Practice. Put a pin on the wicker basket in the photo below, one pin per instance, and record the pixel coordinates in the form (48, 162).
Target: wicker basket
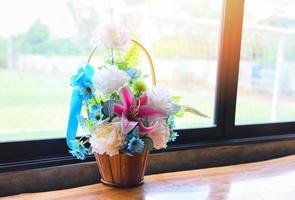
(123, 170)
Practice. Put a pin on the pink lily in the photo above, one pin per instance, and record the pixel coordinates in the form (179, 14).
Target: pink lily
(133, 111)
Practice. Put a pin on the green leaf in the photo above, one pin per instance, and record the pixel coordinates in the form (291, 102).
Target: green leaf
(194, 111)
(130, 59)
(148, 142)
(96, 100)
(132, 56)
(115, 96)
(108, 62)
(108, 108)
(176, 99)
(88, 124)
(122, 65)
(180, 113)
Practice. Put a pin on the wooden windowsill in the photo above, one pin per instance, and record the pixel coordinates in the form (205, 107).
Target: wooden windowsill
(271, 180)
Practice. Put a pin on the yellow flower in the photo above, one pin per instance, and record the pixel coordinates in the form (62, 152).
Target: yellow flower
(139, 86)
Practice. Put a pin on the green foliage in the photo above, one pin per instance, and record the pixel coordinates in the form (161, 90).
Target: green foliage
(63, 46)
(37, 33)
(180, 113)
(98, 99)
(185, 108)
(202, 44)
(38, 40)
(148, 143)
(194, 111)
(88, 124)
(30, 41)
(258, 46)
(176, 99)
(108, 109)
(130, 59)
(115, 96)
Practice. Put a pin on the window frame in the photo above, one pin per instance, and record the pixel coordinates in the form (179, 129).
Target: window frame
(20, 155)
(232, 38)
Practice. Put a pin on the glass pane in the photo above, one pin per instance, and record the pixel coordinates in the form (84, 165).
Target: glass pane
(266, 89)
(43, 44)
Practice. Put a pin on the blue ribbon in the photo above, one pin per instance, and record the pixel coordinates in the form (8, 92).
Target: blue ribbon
(84, 74)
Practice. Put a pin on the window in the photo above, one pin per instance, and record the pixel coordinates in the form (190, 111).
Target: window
(237, 71)
(42, 50)
(266, 90)
(183, 40)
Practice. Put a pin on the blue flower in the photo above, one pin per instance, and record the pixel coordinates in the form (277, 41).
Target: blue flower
(78, 149)
(83, 81)
(133, 73)
(172, 136)
(135, 145)
(95, 114)
(86, 90)
(171, 124)
(81, 121)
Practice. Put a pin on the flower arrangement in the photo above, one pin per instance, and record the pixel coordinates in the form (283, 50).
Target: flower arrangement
(114, 105)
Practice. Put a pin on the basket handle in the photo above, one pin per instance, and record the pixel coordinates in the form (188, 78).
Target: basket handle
(152, 68)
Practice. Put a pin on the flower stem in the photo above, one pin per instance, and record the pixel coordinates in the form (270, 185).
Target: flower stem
(112, 55)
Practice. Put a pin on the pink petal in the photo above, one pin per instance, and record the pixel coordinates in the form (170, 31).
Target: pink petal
(127, 125)
(127, 97)
(118, 109)
(143, 99)
(145, 129)
(147, 111)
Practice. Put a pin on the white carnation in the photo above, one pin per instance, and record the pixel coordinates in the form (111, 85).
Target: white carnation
(109, 79)
(107, 138)
(160, 134)
(161, 99)
(112, 35)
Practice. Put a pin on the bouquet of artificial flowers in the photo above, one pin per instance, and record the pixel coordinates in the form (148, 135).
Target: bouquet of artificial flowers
(114, 105)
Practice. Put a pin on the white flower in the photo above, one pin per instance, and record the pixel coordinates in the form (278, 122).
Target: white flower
(160, 134)
(107, 138)
(113, 35)
(109, 79)
(161, 99)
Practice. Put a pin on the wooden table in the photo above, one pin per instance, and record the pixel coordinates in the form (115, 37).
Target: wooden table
(268, 180)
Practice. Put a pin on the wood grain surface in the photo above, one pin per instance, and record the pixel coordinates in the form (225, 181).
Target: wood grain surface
(268, 180)
(122, 170)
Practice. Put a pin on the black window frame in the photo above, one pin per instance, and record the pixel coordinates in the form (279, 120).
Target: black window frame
(53, 152)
